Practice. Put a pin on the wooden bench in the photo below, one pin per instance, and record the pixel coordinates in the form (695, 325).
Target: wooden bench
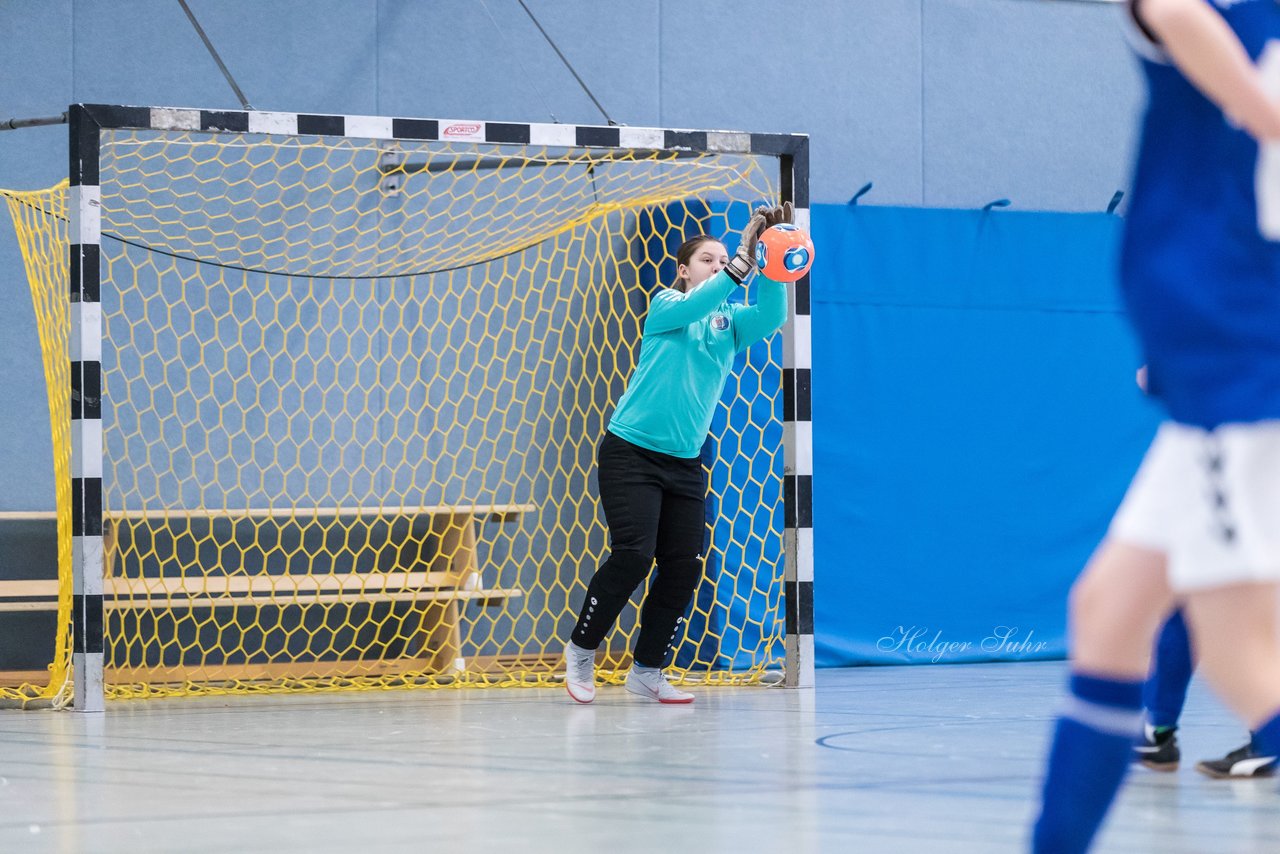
(450, 575)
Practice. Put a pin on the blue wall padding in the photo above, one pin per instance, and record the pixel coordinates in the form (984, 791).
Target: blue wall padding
(976, 422)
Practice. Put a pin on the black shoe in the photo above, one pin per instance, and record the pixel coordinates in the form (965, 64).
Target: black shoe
(1158, 749)
(1240, 764)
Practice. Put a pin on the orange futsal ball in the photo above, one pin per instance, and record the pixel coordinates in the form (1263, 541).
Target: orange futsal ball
(784, 253)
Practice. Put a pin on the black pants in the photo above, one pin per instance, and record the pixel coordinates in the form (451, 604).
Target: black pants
(655, 506)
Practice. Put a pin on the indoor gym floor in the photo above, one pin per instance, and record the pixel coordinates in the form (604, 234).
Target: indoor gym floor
(888, 759)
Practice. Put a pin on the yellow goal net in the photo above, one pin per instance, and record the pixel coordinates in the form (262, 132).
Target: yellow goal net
(352, 390)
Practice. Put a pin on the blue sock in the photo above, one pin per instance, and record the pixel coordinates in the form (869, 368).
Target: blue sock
(1266, 738)
(1088, 761)
(1165, 691)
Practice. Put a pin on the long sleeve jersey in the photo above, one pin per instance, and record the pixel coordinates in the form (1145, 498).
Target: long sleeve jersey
(686, 352)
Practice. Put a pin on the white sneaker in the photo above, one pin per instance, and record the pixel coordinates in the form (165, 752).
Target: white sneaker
(580, 672)
(653, 684)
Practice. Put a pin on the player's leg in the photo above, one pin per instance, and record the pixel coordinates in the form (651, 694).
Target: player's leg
(1116, 607)
(1238, 639)
(631, 496)
(1164, 695)
(681, 537)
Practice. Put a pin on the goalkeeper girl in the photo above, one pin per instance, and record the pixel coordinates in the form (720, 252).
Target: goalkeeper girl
(652, 486)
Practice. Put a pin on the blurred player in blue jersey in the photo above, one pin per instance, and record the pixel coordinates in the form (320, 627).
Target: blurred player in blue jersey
(652, 486)
(1200, 525)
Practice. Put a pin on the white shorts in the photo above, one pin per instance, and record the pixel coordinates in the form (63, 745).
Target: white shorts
(1210, 500)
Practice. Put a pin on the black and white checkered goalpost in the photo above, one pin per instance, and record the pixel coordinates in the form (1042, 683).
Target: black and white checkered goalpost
(84, 206)
(797, 415)
(86, 121)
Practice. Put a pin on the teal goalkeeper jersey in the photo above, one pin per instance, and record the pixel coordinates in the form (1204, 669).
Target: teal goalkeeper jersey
(686, 353)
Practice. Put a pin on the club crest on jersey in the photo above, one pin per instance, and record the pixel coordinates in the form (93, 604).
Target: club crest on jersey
(719, 322)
